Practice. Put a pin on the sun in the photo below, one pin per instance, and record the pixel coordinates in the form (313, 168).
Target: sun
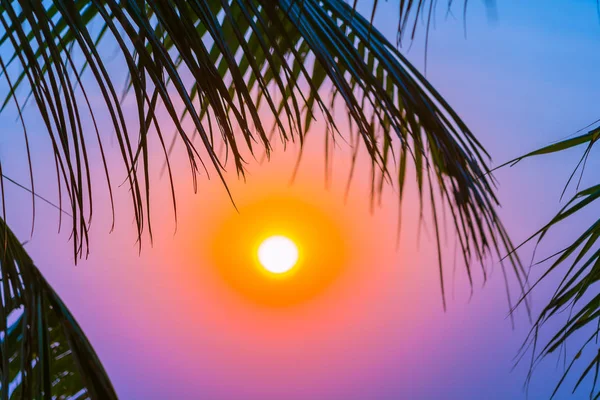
(285, 250)
(278, 254)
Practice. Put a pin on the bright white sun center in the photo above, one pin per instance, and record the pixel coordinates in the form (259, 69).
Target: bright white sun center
(278, 254)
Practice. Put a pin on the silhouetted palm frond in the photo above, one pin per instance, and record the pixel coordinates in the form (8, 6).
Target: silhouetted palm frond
(579, 265)
(249, 62)
(43, 352)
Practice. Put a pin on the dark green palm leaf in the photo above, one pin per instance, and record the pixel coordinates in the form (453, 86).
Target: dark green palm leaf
(248, 59)
(44, 353)
(579, 266)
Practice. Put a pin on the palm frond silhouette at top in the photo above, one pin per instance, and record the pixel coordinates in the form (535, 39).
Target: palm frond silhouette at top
(247, 59)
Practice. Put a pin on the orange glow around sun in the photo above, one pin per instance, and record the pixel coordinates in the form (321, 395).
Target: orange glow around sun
(278, 251)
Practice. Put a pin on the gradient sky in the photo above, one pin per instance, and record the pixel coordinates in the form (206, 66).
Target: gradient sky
(166, 327)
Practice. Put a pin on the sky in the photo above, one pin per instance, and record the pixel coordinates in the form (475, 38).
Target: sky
(167, 325)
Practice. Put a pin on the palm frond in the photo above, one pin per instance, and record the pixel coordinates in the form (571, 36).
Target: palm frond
(247, 60)
(43, 352)
(579, 266)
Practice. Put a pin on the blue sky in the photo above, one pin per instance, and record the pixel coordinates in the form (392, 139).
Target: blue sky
(521, 80)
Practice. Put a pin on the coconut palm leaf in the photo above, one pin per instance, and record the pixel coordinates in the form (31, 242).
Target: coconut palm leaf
(242, 73)
(579, 266)
(247, 62)
(43, 351)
